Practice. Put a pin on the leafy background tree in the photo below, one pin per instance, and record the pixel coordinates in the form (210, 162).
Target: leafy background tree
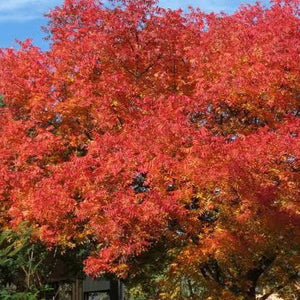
(21, 266)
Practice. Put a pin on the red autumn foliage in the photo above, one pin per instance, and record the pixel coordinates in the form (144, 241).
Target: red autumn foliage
(141, 125)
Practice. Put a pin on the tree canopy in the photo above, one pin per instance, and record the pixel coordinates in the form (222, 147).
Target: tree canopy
(168, 141)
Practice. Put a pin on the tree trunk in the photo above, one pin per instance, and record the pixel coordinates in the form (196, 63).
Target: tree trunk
(250, 295)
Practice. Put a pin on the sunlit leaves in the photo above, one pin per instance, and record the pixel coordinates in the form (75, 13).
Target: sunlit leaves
(142, 125)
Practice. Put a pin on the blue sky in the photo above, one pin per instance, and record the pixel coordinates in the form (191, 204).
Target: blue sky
(23, 19)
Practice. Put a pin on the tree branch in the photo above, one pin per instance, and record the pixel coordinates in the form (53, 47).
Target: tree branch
(290, 280)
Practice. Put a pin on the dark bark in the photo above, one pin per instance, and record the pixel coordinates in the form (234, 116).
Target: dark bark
(212, 271)
(254, 274)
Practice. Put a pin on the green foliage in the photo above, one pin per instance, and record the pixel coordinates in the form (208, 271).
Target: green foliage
(2, 103)
(20, 266)
(150, 271)
(12, 295)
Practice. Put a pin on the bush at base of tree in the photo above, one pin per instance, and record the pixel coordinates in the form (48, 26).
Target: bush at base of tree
(21, 266)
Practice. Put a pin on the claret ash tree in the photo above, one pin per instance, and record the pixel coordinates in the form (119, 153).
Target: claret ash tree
(163, 141)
